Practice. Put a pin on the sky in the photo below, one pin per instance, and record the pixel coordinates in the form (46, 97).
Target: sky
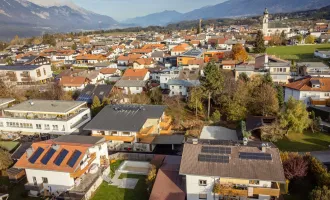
(123, 9)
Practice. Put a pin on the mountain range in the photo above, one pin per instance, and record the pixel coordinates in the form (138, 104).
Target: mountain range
(228, 9)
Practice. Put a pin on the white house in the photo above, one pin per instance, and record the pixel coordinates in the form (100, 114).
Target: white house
(166, 75)
(233, 169)
(27, 73)
(312, 91)
(73, 83)
(322, 54)
(45, 116)
(63, 164)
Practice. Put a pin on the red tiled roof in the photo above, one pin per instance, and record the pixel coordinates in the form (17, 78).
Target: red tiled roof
(135, 73)
(305, 85)
(73, 81)
(108, 70)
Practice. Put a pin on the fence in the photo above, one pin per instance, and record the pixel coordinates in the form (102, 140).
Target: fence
(131, 156)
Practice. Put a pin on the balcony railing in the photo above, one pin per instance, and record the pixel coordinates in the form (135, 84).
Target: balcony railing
(34, 187)
(80, 172)
(274, 190)
(164, 124)
(116, 138)
(146, 131)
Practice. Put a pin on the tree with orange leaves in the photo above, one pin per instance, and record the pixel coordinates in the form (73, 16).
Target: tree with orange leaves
(239, 53)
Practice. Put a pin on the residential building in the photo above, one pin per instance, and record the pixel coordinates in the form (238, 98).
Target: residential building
(181, 86)
(136, 74)
(228, 64)
(166, 75)
(224, 169)
(91, 91)
(315, 69)
(312, 90)
(89, 59)
(158, 56)
(322, 54)
(33, 60)
(131, 127)
(27, 74)
(65, 57)
(69, 164)
(180, 49)
(108, 73)
(142, 63)
(73, 83)
(192, 54)
(44, 116)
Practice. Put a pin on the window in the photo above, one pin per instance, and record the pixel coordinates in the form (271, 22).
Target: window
(47, 127)
(254, 182)
(172, 87)
(1, 124)
(202, 182)
(55, 127)
(137, 88)
(326, 94)
(180, 87)
(38, 126)
(38, 73)
(44, 71)
(44, 179)
(126, 133)
(284, 69)
(202, 196)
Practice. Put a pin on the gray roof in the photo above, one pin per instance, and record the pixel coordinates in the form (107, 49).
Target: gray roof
(185, 83)
(18, 153)
(267, 170)
(4, 101)
(130, 83)
(168, 139)
(157, 54)
(277, 25)
(79, 139)
(124, 117)
(51, 106)
(193, 53)
(19, 67)
(312, 64)
(218, 133)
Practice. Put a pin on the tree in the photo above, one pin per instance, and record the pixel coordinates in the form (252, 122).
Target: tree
(267, 79)
(299, 38)
(243, 77)
(74, 46)
(216, 116)
(212, 81)
(260, 43)
(239, 53)
(9, 61)
(5, 160)
(48, 39)
(156, 96)
(96, 106)
(320, 193)
(272, 132)
(296, 166)
(280, 95)
(150, 180)
(310, 39)
(195, 100)
(84, 40)
(283, 38)
(236, 106)
(264, 101)
(295, 117)
(15, 40)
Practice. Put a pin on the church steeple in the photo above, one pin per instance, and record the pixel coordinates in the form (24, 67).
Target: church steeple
(266, 11)
(265, 22)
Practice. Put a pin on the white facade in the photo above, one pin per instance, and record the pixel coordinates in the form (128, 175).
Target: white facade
(305, 95)
(178, 90)
(73, 88)
(132, 90)
(165, 77)
(66, 59)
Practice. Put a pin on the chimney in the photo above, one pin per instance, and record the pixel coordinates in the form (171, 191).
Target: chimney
(263, 147)
(195, 141)
(29, 152)
(245, 141)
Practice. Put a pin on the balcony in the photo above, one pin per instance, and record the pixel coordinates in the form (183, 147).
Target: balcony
(116, 138)
(146, 131)
(274, 190)
(26, 79)
(34, 187)
(165, 122)
(80, 171)
(166, 131)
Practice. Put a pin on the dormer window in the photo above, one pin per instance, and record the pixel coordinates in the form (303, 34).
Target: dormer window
(315, 83)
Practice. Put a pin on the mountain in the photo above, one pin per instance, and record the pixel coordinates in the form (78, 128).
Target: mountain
(236, 8)
(158, 19)
(26, 18)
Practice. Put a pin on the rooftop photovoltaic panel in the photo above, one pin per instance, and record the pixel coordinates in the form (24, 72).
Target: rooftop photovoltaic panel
(76, 154)
(61, 157)
(213, 158)
(255, 156)
(219, 150)
(36, 155)
(48, 155)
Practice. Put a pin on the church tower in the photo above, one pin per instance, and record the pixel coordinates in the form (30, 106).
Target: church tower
(265, 23)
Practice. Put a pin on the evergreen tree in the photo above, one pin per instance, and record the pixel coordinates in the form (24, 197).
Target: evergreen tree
(280, 95)
(74, 46)
(260, 43)
(96, 106)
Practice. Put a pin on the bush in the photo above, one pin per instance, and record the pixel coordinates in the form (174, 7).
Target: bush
(216, 116)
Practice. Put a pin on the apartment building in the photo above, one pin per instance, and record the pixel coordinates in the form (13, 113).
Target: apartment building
(223, 169)
(130, 127)
(44, 116)
(26, 74)
(66, 164)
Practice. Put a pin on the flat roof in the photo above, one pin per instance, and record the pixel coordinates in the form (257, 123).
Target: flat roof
(49, 106)
(4, 101)
(218, 133)
(168, 139)
(79, 139)
(19, 67)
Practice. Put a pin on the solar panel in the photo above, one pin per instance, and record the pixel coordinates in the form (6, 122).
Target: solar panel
(36, 155)
(61, 157)
(255, 156)
(220, 150)
(213, 158)
(48, 155)
(74, 158)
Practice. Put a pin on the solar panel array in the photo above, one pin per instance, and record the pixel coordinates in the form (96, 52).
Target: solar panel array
(255, 156)
(76, 154)
(36, 155)
(213, 158)
(61, 157)
(48, 155)
(219, 150)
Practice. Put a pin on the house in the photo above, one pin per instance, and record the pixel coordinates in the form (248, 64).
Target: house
(131, 127)
(315, 69)
(89, 59)
(91, 91)
(228, 64)
(179, 49)
(131, 86)
(136, 74)
(33, 60)
(158, 56)
(311, 90)
(192, 54)
(27, 74)
(166, 75)
(146, 52)
(45, 116)
(224, 169)
(64, 164)
(181, 86)
(65, 57)
(74, 83)
(218, 133)
(109, 73)
(322, 54)
(129, 59)
(142, 63)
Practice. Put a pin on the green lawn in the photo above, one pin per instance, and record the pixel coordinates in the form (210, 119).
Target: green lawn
(8, 145)
(301, 52)
(109, 192)
(114, 166)
(304, 142)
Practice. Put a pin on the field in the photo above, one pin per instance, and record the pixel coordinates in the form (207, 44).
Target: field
(304, 142)
(301, 52)
(8, 145)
